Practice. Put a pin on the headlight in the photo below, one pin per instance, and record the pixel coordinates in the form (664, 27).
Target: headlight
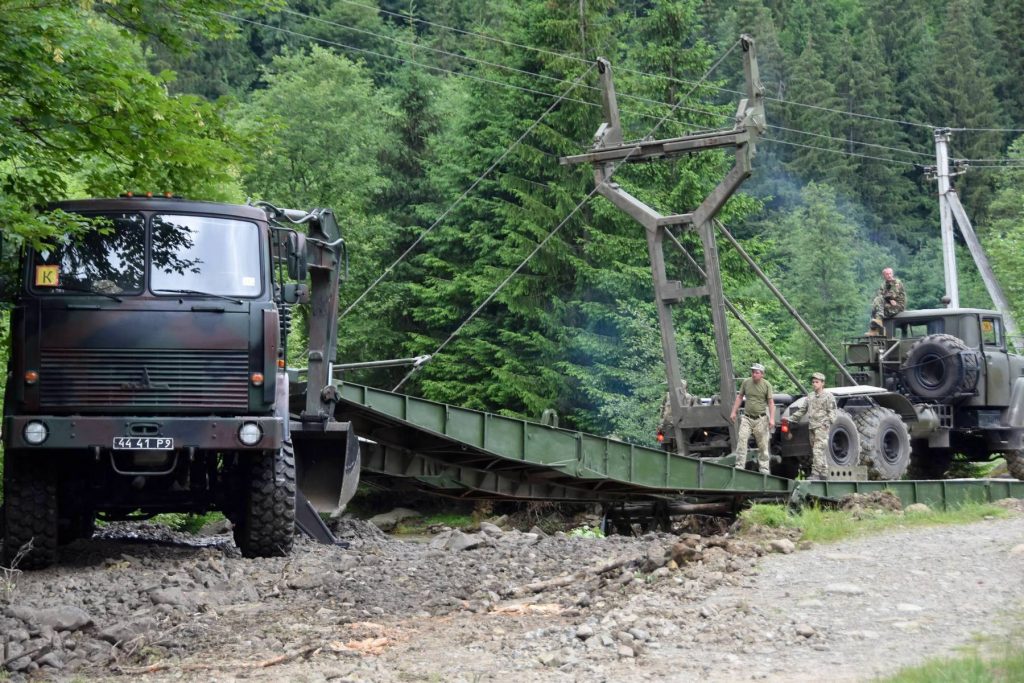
(250, 433)
(35, 433)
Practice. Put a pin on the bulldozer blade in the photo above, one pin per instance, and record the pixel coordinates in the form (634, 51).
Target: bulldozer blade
(328, 466)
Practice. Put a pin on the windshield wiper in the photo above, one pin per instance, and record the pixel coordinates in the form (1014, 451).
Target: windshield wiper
(198, 293)
(90, 290)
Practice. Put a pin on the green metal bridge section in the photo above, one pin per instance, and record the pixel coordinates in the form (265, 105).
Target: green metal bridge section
(444, 449)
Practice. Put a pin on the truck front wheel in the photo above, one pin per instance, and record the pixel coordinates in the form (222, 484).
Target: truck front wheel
(265, 525)
(884, 443)
(30, 512)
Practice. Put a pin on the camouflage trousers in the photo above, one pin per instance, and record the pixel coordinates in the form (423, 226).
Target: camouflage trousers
(759, 427)
(880, 308)
(819, 444)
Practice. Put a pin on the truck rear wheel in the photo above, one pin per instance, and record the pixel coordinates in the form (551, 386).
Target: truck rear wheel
(30, 512)
(1015, 464)
(266, 519)
(843, 442)
(940, 366)
(884, 443)
(928, 463)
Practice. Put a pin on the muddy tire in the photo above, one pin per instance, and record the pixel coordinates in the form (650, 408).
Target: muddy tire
(266, 518)
(843, 442)
(884, 443)
(1015, 464)
(30, 512)
(940, 367)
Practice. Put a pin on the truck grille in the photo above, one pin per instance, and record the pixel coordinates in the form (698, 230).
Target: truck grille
(76, 378)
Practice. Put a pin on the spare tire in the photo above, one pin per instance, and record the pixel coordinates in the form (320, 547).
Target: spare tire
(884, 443)
(843, 442)
(941, 367)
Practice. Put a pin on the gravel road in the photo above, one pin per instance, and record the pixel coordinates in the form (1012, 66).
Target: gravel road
(506, 605)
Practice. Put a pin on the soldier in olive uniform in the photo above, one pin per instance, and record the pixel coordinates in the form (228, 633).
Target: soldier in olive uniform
(758, 417)
(890, 300)
(820, 407)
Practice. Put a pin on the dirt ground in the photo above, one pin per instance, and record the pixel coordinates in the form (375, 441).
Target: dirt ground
(496, 605)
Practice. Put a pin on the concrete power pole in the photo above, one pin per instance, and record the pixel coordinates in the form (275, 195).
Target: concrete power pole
(946, 217)
(951, 209)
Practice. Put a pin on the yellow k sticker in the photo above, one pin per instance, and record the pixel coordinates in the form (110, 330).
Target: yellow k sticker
(47, 276)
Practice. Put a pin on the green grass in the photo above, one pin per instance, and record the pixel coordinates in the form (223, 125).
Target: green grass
(188, 523)
(971, 668)
(822, 525)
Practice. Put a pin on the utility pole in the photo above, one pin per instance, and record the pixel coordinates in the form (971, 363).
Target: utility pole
(951, 209)
(608, 152)
(946, 217)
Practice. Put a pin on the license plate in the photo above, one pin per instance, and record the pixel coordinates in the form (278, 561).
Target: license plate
(143, 443)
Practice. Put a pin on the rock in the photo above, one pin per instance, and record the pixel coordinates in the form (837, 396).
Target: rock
(804, 630)
(1017, 549)
(782, 545)
(65, 618)
(917, 508)
(584, 631)
(490, 529)
(463, 541)
(844, 589)
(500, 521)
(312, 580)
(908, 607)
(537, 530)
(175, 597)
(683, 553)
(52, 660)
(639, 634)
(215, 528)
(389, 520)
(126, 631)
(625, 652)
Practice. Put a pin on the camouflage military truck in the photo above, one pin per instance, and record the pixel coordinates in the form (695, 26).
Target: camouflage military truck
(966, 388)
(147, 372)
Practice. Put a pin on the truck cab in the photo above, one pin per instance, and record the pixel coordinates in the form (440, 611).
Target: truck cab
(955, 367)
(144, 372)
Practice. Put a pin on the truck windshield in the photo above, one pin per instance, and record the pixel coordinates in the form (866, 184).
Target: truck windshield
(105, 260)
(220, 256)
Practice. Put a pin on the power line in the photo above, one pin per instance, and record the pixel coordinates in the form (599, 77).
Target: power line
(839, 151)
(558, 227)
(476, 182)
(495, 65)
(639, 72)
(854, 142)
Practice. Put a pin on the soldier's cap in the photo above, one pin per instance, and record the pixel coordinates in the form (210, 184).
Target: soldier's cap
(757, 366)
(818, 375)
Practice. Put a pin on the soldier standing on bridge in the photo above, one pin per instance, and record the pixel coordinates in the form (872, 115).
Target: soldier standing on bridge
(890, 300)
(820, 407)
(758, 417)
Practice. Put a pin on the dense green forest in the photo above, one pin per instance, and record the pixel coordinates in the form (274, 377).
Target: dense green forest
(434, 127)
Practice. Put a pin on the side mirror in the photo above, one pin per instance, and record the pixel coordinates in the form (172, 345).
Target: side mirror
(295, 293)
(298, 268)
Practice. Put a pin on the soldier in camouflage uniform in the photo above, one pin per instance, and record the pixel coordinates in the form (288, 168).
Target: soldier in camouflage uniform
(758, 417)
(890, 300)
(820, 407)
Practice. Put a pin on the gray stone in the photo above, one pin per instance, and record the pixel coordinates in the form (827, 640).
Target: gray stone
(389, 520)
(65, 618)
(639, 634)
(126, 631)
(844, 589)
(174, 597)
(805, 630)
(52, 660)
(908, 607)
(625, 652)
(462, 541)
(584, 631)
(1017, 549)
(782, 545)
(490, 529)
(918, 508)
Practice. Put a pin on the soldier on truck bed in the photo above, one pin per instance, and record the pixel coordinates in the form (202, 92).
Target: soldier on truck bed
(758, 417)
(890, 300)
(820, 407)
